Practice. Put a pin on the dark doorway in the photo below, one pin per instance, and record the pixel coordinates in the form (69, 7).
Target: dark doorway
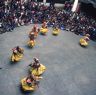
(89, 10)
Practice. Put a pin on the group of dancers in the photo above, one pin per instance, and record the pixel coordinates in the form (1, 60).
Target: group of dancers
(84, 40)
(30, 83)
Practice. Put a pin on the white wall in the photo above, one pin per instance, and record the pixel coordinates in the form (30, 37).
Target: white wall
(56, 4)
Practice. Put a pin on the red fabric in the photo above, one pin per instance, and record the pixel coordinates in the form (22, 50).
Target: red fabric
(14, 49)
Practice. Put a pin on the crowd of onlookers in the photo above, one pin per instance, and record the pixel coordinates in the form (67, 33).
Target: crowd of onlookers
(15, 13)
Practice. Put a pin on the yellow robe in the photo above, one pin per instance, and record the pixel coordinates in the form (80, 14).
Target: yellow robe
(43, 30)
(83, 42)
(56, 31)
(40, 70)
(31, 43)
(16, 57)
(26, 87)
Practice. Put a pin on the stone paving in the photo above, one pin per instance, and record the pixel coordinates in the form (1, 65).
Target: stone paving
(71, 69)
